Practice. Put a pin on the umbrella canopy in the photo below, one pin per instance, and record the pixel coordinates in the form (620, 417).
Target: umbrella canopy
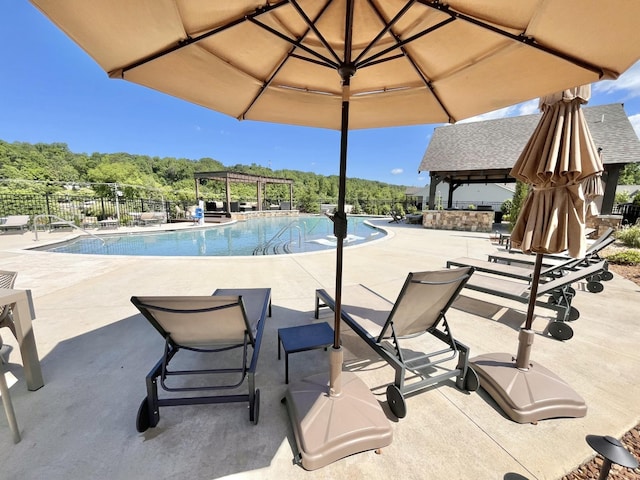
(559, 158)
(417, 62)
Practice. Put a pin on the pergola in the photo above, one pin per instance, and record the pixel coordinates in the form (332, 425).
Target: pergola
(236, 177)
(484, 152)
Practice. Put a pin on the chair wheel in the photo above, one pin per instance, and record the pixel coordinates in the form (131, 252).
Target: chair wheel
(595, 287)
(560, 330)
(396, 402)
(254, 408)
(142, 420)
(574, 314)
(471, 380)
(606, 275)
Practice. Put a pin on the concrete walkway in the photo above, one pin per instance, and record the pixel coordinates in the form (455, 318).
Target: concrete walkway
(96, 350)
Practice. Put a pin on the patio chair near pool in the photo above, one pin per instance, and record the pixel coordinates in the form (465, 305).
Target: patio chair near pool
(394, 331)
(231, 321)
(395, 217)
(15, 222)
(7, 280)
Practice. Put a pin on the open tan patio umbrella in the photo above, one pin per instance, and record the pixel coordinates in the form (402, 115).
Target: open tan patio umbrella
(345, 64)
(557, 161)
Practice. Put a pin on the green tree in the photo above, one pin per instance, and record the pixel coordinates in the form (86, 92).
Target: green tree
(518, 200)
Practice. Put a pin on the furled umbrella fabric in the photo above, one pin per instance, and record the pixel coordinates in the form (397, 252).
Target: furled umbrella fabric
(559, 157)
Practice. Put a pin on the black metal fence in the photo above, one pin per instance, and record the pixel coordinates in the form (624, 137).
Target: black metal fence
(629, 211)
(76, 209)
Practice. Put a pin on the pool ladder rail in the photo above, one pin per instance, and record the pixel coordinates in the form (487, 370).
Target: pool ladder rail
(71, 224)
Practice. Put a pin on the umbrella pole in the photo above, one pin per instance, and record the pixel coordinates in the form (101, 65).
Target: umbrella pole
(341, 417)
(340, 232)
(525, 338)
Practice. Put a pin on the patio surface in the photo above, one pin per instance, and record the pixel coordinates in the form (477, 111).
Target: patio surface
(95, 351)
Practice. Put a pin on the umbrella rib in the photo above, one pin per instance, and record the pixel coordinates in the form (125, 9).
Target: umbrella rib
(403, 53)
(191, 40)
(387, 26)
(312, 26)
(290, 54)
(520, 38)
(401, 43)
(295, 43)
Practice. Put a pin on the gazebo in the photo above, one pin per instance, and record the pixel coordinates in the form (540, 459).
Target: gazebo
(236, 177)
(484, 152)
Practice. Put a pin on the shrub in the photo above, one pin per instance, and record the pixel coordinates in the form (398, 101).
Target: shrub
(505, 208)
(630, 237)
(625, 257)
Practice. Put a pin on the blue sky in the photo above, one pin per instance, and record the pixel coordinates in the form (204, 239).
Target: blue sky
(51, 91)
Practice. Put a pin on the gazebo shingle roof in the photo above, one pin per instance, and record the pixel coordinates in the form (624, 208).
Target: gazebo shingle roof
(497, 144)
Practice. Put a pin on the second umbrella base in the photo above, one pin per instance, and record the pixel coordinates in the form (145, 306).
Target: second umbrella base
(527, 396)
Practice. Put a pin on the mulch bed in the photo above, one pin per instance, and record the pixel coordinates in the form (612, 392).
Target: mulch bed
(591, 469)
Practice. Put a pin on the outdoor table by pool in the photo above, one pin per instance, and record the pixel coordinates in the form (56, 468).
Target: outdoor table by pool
(301, 339)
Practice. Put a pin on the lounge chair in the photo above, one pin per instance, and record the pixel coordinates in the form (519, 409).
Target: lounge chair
(90, 222)
(525, 272)
(15, 222)
(420, 308)
(150, 218)
(229, 319)
(592, 255)
(557, 294)
(7, 280)
(395, 217)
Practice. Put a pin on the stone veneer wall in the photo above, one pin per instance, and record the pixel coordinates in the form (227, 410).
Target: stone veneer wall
(468, 220)
(602, 222)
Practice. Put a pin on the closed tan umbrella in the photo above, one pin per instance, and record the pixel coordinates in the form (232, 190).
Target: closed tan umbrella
(347, 64)
(557, 161)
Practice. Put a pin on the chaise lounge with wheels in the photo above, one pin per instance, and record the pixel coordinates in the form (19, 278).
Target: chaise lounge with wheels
(214, 326)
(15, 222)
(556, 294)
(549, 271)
(394, 330)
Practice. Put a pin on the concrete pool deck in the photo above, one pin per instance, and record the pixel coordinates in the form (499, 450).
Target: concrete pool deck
(95, 351)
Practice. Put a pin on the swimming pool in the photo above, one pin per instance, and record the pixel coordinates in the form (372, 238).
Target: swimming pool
(259, 236)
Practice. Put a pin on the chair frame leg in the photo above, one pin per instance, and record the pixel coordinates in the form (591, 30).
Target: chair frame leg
(8, 405)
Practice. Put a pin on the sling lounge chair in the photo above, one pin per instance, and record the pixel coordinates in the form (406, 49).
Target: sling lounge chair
(15, 222)
(386, 326)
(213, 325)
(525, 272)
(556, 294)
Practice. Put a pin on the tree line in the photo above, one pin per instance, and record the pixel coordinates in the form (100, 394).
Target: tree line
(52, 168)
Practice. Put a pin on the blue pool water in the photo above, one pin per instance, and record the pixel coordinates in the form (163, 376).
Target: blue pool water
(259, 236)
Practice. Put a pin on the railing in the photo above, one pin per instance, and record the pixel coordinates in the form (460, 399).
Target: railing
(71, 224)
(272, 241)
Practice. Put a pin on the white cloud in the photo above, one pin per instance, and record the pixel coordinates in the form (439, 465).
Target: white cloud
(525, 108)
(635, 122)
(628, 83)
(397, 171)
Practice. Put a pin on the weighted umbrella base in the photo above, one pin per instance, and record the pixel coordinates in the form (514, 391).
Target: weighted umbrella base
(526, 396)
(328, 428)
